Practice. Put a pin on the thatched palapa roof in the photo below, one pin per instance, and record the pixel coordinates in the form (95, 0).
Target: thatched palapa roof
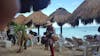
(87, 11)
(60, 16)
(38, 18)
(20, 19)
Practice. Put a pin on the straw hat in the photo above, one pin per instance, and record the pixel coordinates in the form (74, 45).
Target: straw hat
(48, 23)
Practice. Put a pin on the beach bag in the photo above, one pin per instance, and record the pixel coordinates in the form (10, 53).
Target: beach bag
(55, 37)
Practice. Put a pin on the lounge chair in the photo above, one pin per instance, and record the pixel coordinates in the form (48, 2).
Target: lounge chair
(86, 46)
(35, 40)
(68, 43)
(5, 43)
(76, 44)
(3, 40)
(79, 45)
(59, 43)
(94, 40)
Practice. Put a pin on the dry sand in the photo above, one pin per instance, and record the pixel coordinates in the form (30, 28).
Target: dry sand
(35, 51)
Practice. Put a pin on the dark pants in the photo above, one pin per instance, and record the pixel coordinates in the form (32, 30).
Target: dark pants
(12, 38)
(50, 40)
(51, 47)
(52, 50)
(38, 39)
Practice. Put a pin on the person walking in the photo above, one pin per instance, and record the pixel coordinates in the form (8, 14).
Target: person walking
(49, 33)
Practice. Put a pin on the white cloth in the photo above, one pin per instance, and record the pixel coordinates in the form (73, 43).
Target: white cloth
(35, 41)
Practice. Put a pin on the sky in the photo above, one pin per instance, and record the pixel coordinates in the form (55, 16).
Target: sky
(69, 5)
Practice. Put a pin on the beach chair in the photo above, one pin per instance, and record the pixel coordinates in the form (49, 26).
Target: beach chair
(78, 46)
(3, 40)
(75, 44)
(68, 43)
(59, 43)
(86, 46)
(94, 40)
(3, 35)
(35, 40)
(72, 45)
(5, 43)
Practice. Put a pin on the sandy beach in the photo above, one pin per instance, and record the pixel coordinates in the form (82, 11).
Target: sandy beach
(35, 51)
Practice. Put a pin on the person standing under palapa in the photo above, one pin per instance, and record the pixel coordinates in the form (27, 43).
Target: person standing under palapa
(49, 33)
(11, 34)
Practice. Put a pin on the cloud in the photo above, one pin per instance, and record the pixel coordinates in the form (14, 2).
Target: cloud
(55, 25)
(66, 25)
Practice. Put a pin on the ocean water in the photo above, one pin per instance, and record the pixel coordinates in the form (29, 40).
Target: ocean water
(78, 32)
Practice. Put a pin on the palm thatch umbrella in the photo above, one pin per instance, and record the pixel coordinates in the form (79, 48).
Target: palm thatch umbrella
(60, 16)
(38, 19)
(37, 5)
(20, 19)
(87, 12)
